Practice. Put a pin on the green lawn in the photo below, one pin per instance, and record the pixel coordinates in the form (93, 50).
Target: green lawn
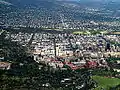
(82, 32)
(105, 82)
(90, 32)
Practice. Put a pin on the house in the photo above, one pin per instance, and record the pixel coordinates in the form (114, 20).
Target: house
(5, 65)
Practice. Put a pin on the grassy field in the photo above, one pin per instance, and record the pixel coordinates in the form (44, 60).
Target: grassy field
(90, 32)
(117, 33)
(105, 82)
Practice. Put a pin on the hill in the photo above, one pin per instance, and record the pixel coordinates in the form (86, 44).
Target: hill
(59, 13)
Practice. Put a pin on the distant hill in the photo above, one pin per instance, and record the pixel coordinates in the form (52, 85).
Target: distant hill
(5, 2)
(52, 3)
(34, 11)
(20, 3)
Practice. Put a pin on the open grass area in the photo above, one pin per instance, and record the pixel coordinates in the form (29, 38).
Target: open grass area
(90, 32)
(94, 32)
(82, 32)
(117, 33)
(105, 82)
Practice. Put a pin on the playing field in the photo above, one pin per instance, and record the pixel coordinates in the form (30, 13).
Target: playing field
(105, 82)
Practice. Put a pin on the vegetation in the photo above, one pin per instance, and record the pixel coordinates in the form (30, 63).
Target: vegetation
(113, 59)
(106, 83)
(35, 79)
(116, 33)
(90, 32)
(103, 72)
(12, 51)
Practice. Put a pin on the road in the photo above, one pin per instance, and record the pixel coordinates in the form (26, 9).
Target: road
(31, 39)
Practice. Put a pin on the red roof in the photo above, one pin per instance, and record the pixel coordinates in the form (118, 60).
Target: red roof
(91, 64)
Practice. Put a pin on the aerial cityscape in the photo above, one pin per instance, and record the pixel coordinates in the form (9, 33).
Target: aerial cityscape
(59, 45)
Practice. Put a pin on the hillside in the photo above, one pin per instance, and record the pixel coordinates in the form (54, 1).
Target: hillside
(60, 14)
